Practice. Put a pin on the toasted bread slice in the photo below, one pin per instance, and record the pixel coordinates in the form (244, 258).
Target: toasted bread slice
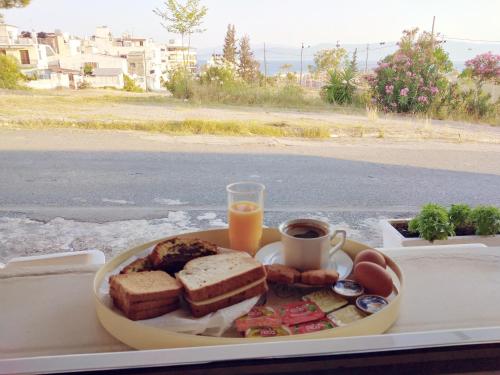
(125, 305)
(145, 286)
(142, 306)
(151, 313)
(202, 309)
(215, 275)
(171, 255)
(138, 265)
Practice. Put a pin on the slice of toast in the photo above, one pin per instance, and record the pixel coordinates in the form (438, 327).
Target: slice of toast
(145, 286)
(199, 310)
(212, 276)
(125, 305)
(151, 313)
(171, 255)
(138, 265)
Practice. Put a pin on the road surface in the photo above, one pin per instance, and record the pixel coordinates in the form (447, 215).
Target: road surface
(73, 199)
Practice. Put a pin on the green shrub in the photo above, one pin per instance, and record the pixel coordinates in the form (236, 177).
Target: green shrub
(130, 85)
(461, 103)
(180, 84)
(219, 75)
(432, 223)
(10, 74)
(486, 220)
(340, 88)
(460, 216)
(88, 69)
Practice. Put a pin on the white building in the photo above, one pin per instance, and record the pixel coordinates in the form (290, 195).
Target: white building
(178, 56)
(24, 47)
(143, 56)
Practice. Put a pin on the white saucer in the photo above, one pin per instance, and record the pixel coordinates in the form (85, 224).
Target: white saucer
(273, 253)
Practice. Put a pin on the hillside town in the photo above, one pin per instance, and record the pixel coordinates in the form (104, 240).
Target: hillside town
(59, 60)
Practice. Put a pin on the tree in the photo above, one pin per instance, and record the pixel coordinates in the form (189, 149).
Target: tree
(10, 74)
(286, 67)
(88, 69)
(7, 4)
(248, 67)
(230, 49)
(328, 60)
(183, 19)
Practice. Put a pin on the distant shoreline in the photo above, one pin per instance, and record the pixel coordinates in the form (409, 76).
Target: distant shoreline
(274, 66)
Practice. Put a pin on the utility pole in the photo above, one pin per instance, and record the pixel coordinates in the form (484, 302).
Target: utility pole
(366, 60)
(145, 71)
(432, 32)
(265, 66)
(301, 57)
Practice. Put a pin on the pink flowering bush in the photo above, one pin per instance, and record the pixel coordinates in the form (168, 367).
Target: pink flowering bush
(412, 78)
(484, 67)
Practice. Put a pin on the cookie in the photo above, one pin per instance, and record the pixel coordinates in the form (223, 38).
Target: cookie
(281, 274)
(319, 277)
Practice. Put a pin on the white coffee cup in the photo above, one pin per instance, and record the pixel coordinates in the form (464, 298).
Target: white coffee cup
(308, 243)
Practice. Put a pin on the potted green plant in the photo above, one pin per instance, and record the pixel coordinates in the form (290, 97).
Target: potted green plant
(435, 225)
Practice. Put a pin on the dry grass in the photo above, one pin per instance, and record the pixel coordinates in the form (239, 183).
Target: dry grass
(184, 127)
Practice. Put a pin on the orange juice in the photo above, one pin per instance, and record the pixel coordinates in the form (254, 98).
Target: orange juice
(245, 226)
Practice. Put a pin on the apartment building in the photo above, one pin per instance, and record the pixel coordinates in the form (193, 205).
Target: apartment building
(33, 57)
(178, 56)
(143, 56)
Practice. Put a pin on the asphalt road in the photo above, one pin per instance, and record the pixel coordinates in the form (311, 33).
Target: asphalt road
(54, 201)
(197, 181)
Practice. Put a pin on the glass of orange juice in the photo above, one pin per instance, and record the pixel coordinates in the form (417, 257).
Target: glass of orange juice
(245, 215)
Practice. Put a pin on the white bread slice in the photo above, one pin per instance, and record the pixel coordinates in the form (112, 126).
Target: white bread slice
(201, 309)
(226, 295)
(214, 275)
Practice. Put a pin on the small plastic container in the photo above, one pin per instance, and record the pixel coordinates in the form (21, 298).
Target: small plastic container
(349, 289)
(371, 303)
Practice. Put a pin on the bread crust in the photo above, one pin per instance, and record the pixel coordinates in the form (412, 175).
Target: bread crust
(149, 313)
(223, 286)
(138, 265)
(319, 277)
(202, 310)
(126, 305)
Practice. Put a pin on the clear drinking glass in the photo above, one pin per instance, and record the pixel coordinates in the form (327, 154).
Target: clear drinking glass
(245, 215)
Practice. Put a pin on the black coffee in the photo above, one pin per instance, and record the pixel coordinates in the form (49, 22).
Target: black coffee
(305, 231)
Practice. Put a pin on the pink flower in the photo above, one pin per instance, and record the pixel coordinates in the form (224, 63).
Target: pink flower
(408, 74)
(404, 91)
(389, 89)
(434, 90)
(423, 99)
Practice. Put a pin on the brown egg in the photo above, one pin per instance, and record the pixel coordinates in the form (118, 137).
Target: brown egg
(370, 255)
(375, 279)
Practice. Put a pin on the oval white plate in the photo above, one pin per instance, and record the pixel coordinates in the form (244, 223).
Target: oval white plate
(273, 253)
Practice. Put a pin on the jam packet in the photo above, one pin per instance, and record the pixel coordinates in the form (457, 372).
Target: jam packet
(317, 325)
(268, 331)
(326, 299)
(259, 316)
(300, 312)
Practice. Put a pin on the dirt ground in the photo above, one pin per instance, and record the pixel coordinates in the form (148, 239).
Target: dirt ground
(106, 105)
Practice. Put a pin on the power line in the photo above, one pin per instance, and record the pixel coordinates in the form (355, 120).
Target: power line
(471, 40)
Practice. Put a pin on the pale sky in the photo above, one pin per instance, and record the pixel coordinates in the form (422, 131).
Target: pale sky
(284, 22)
